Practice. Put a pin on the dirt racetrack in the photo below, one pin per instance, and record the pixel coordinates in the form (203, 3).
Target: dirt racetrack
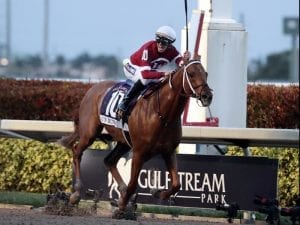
(26, 216)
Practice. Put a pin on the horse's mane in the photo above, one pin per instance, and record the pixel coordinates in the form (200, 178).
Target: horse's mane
(158, 85)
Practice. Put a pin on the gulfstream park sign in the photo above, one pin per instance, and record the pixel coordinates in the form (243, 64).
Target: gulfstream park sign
(203, 186)
(205, 180)
(189, 181)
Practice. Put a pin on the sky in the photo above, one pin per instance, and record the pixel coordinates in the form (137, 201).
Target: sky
(120, 27)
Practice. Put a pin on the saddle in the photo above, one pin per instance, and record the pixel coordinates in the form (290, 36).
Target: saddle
(109, 106)
(110, 102)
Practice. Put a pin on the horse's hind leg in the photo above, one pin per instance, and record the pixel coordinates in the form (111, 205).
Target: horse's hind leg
(171, 163)
(111, 161)
(87, 137)
(78, 150)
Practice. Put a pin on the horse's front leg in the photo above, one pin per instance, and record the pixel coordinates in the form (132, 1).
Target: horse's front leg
(136, 166)
(171, 163)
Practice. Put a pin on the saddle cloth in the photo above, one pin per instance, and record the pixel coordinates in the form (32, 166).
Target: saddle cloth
(109, 106)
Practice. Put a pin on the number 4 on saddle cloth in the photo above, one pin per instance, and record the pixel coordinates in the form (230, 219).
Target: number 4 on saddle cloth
(109, 106)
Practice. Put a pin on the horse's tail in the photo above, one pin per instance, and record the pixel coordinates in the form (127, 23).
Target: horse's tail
(69, 140)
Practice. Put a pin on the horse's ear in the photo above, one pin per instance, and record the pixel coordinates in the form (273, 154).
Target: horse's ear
(197, 57)
(185, 61)
(186, 57)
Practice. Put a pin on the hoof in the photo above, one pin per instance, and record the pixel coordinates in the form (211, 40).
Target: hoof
(118, 214)
(75, 198)
(114, 202)
(155, 193)
(128, 214)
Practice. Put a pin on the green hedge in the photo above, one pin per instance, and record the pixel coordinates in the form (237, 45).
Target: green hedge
(31, 166)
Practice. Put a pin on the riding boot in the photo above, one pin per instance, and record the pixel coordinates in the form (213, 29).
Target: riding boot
(134, 91)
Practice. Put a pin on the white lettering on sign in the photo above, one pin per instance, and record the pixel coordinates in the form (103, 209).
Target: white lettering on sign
(209, 188)
(189, 181)
(212, 198)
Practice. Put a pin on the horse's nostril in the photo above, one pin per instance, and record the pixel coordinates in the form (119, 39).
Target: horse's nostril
(206, 96)
(206, 99)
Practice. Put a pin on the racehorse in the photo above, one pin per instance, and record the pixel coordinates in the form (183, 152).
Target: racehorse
(154, 128)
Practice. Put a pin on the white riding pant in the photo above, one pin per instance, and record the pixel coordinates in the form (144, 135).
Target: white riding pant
(134, 73)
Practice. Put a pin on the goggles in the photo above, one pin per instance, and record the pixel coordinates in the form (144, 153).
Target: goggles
(163, 41)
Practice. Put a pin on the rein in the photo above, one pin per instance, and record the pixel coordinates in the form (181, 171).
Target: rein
(186, 77)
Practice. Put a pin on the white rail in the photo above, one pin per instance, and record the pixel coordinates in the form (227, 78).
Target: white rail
(244, 137)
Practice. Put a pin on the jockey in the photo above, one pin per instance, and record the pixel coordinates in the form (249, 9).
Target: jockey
(151, 63)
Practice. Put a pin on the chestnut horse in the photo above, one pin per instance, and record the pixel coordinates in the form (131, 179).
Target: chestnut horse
(154, 128)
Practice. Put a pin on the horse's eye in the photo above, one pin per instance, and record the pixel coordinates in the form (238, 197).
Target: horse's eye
(191, 75)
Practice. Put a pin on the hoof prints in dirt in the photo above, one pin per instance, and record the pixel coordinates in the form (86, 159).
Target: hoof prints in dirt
(128, 214)
(61, 206)
(69, 210)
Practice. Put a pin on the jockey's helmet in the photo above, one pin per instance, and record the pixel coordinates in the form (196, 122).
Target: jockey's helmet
(166, 32)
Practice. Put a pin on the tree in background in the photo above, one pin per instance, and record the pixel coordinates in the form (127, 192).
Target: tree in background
(60, 60)
(80, 60)
(82, 66)
(33, 61)
(275, 68)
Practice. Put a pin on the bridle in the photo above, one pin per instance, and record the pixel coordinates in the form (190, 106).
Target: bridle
(186, 78)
